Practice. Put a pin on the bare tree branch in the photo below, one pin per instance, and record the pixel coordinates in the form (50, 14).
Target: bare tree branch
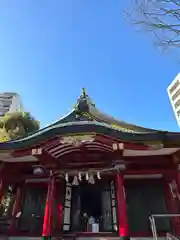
(161, 17)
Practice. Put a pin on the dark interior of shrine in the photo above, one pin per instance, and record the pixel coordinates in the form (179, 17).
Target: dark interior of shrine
(86, 203)
(91, 200)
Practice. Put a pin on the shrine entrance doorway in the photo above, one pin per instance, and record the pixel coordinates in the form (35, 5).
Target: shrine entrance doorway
(91, 203)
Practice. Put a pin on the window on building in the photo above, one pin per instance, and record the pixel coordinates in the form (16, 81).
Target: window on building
(8, 97)
(2, 96)
(174, 87)
(178, 113)
(5, 102)
(177, 104)
(176, 95)
(6, 106)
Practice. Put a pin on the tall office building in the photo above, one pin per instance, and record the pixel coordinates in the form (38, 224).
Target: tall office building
(174, 96)
(9, 102)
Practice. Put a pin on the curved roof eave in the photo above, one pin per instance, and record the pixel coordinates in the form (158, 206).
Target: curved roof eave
(99, 116)
(83, 127)
(97, 113)
(63, 119)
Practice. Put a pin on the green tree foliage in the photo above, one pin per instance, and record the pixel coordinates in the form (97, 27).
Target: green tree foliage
(16, 125)
(161, 18)
(7, 202)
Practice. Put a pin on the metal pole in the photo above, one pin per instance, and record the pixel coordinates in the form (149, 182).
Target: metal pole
(153, 224)
(166, 215)
(154, 227)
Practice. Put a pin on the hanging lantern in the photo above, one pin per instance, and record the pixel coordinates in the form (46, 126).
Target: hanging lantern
(98, 175)
(66, 177)
(91, 179)
(87, 176)
(75, 181)
(79, 176)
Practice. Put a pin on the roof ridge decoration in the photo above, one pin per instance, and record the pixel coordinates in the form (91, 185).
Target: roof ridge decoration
(78, 140)
(83, 99)
(84, 95)
(86, 110)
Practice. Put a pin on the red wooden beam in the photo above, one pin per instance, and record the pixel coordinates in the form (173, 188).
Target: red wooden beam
(127, 145)
(49, 142)
(46, 159)
(15, 173)
(148, 159)
(85, 152)
(148, 171)
(76, 164)
(22, 153)
(110, 156)
(134, 146)
(82, 167)
(43, 156)
(28, 151)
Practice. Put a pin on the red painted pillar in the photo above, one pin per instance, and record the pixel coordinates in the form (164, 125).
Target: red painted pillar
(47, 225)
(178, 201)
(2, 186)
(178, 181)
(16, 207)
(121, 205)
(171, 205)
(60, 215)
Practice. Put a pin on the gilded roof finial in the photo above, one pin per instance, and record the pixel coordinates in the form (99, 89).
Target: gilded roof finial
(84, 93)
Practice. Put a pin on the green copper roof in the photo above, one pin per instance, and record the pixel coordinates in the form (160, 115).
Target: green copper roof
(83, 127)
(85, 118)
(86, 110)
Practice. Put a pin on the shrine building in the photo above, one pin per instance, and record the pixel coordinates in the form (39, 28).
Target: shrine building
(89, 175)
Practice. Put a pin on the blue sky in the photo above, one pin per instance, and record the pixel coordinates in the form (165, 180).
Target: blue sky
(50, 49)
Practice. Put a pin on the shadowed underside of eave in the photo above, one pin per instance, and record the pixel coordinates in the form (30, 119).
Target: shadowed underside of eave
(85, 128)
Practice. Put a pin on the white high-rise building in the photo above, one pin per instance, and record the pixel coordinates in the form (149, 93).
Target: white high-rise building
(174, 96)
(9, 102)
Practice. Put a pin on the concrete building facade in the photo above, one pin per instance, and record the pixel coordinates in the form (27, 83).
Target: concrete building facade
(9, 102)
(174, 96)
